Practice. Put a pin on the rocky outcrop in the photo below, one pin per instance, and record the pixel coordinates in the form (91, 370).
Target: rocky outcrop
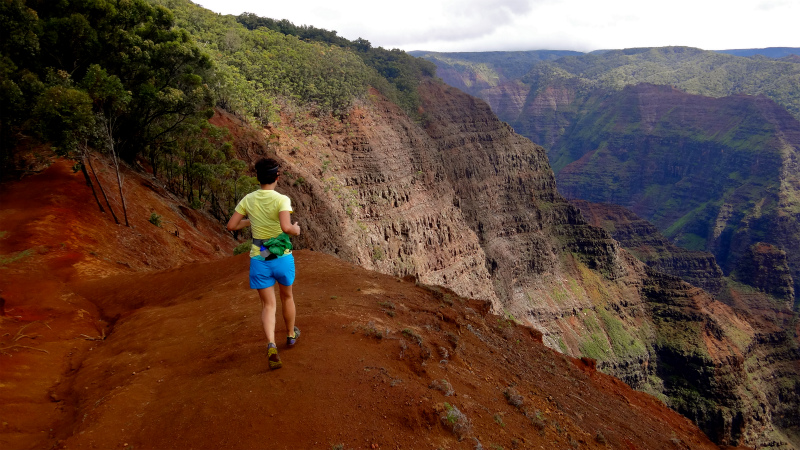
(641, 238)
(764, 266)
(702, 377)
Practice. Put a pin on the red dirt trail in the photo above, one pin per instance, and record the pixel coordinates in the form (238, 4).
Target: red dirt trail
(134, 338)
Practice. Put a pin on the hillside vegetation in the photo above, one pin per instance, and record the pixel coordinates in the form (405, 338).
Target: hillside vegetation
(475, 71)
(122, 78)
(693, 70)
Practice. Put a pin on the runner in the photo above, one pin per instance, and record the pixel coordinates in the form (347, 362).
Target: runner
(269, 217)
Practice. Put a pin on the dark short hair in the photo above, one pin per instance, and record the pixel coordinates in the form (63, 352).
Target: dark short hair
(267, 170)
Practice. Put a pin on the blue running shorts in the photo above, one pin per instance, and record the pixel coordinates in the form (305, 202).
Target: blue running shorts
(264, 274)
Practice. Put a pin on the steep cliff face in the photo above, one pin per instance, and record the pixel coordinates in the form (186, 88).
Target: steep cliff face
(642, 239)
(759, 326)
(700, 354)
(372, 190)
(712, 174)
(462, 201)
(764, 266)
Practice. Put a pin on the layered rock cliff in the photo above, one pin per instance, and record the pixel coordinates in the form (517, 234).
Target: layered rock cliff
(712, 174)
(762, 327)
(642, 239)
(765, 267)
(460, 200)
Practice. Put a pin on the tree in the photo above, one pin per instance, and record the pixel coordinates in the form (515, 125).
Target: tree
(159, 65)
(110, 101)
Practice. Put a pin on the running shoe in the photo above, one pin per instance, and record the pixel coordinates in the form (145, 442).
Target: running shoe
(272, 355)
(290, 341)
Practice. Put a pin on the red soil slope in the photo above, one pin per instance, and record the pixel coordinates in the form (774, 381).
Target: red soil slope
(100, 351)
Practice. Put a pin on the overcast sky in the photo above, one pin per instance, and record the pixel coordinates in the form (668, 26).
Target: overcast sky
(583, 25)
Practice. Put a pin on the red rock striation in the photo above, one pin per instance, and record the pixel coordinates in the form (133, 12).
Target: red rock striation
(459, 200)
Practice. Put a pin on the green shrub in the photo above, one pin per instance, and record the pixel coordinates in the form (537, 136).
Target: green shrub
(409, 333)
(241, 248)
(377, 253)
(513, 397)
(444, 386)
(155, 219)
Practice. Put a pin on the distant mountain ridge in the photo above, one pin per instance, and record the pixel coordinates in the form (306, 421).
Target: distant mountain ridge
(474, 71)
(693, 70)
(769, 52)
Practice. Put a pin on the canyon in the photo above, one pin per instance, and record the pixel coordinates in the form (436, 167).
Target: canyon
(708, 183)
(458, 201)
(467, 204)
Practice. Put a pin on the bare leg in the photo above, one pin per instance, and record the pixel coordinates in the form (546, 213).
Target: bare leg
(268, 308)
(287, 302)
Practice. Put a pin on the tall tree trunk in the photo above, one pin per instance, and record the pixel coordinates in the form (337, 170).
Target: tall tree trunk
(114, 158)
(102, 191)
(154, 161)
(189, 181)
(89, 180)
(119, 185)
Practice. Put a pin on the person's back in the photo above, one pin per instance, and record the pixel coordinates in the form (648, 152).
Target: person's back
(269, 217)
(263, 208)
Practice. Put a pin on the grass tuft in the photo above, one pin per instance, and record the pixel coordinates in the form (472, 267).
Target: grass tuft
(455, 421)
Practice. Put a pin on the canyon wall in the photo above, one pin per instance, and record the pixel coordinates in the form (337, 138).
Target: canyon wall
(712, 174)
(763, 326)
(458, 199)
(641, 238)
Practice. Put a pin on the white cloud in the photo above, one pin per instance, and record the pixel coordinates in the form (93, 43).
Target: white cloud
(584, 25)
(772, 4)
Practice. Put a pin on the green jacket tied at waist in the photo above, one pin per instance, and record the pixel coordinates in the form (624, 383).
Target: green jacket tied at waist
(277, 245)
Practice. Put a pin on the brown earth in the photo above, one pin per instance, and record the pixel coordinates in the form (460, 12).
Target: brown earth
(117, 337)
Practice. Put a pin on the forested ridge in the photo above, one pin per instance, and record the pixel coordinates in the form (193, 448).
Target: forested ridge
(693, 70)
(696, 71)
(138, 80)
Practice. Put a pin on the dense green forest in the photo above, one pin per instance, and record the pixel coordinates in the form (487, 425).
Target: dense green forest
(139, 79)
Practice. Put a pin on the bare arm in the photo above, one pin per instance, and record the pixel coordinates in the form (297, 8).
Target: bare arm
(286, 223)
(238, 222)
